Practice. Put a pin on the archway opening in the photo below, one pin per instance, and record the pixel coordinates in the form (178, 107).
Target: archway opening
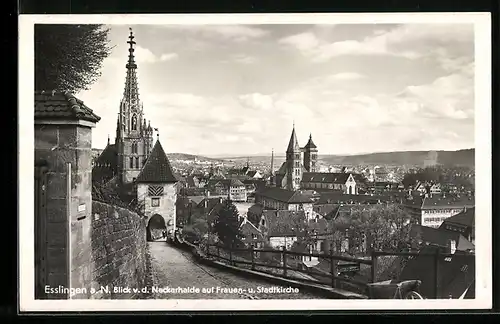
(156, 228)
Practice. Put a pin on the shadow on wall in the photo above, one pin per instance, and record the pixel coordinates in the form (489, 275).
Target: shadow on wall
(119, 251)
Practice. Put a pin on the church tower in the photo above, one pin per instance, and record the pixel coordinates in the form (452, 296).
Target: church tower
(134, 138)
(293, 163)
(310, 155)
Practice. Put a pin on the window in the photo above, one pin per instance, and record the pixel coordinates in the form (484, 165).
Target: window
(155, 202)
(297, 156)
(134, 147)
(137, 162)
(134, 122)
(131, 162)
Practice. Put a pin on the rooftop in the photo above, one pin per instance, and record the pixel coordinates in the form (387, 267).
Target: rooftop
(284, 195)
(62, 105)
(157, 168)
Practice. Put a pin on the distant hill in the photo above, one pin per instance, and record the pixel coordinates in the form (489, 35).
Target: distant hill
(448, 158)
(184, 156)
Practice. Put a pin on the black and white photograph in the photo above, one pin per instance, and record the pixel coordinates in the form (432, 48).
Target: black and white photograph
(240, 162)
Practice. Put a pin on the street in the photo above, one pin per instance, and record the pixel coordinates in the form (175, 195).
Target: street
(177, 276)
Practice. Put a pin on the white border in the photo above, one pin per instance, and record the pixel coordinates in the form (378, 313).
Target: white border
(482, 22)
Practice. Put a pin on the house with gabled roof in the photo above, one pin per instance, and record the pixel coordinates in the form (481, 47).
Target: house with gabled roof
(283, 199)
(463, 223)
(233, 188)
(447, 241)
(156, 188)
(432, 210)
(251, 235)
(343, 182)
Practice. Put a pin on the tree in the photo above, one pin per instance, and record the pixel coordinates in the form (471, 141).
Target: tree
(69, 57)
(227, 225)
(387, 227)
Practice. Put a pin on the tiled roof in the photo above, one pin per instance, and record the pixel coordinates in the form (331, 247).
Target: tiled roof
(251, 173)
(438, 201)
(157, 168)
(282, 169)
(285, 195)
(440, 237)
(229, 182)
(328, 211)
(341, 198)
(106, 164)
(466, 218)
(282, 222)
(310, 143)
(455, 274)
(256, 209)
(339, 178)
(62, 105)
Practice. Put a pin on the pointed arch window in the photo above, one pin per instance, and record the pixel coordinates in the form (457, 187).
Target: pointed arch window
(131, 162)
(134, 122)
(137, 162)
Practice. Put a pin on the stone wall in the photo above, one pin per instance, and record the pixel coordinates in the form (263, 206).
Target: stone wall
(58, 145)
(119, 251)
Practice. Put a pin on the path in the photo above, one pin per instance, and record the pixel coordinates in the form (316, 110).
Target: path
(173, 268)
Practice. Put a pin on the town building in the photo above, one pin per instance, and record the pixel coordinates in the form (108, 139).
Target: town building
(463, 223)
(156, 188)
(233, 188)
(283, 199)
(251, 235)
(343, 182)
(433, 210)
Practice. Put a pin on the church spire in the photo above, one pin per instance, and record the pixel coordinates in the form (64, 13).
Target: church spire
(131, 94)
(272, 161)
(293, 144)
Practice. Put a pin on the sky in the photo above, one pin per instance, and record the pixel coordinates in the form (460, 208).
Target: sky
(237, 90)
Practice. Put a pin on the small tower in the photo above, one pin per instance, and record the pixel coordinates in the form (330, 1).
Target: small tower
(310, 155)
(293, 163)
(157, 190)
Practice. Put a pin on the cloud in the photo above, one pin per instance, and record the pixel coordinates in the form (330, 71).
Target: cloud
(144, 55)
(450, 96)
(448, 44)
(168, 56)
(244, 59)
(238, 33)
(347, 76)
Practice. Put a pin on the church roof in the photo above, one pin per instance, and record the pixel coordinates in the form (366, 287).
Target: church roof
(310, 143)
(62, 105)
(293, 145)
(157, 168)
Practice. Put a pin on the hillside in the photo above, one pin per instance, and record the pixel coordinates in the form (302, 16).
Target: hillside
(184, 156)
(449, 158)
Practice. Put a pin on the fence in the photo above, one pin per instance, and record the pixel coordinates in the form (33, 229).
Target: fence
(283, 262)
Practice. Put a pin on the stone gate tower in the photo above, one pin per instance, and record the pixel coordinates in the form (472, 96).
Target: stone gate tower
(134, 138)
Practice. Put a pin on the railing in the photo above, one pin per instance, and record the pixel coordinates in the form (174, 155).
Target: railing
(281, 263)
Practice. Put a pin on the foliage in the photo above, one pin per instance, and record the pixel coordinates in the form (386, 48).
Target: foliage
(459, 176)
(385, 227)
(226, 225)
(69, 57)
